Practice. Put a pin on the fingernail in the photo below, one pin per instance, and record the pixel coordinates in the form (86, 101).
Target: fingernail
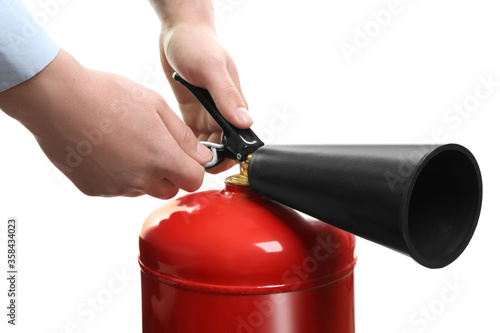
(204, 152)
(244, 116)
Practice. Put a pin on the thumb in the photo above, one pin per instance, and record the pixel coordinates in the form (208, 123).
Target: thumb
(184, 136)
(229, 99)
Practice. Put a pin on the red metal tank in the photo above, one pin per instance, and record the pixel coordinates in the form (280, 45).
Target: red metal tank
(231, 261)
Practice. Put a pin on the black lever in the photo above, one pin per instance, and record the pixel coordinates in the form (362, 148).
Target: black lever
(237, 143)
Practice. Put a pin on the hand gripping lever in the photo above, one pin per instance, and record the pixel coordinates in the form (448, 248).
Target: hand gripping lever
(236, 143)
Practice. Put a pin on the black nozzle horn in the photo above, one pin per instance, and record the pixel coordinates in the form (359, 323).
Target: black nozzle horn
(423, 201)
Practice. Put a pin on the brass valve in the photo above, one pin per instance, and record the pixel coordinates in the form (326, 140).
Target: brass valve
(240, 179)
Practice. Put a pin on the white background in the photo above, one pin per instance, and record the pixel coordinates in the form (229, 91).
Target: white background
(396, 89)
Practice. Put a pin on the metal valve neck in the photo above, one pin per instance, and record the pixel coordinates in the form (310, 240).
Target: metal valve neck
(240, 179)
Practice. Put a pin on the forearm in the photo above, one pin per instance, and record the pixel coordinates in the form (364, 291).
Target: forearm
(174, 12)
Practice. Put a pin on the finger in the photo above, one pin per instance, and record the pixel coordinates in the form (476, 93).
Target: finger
(214, 137)
(182, 95)
(184, 137)
(162, 189)
(177, 164)
(225, 91)
(228, 99)
(233, 73)
(178, 167)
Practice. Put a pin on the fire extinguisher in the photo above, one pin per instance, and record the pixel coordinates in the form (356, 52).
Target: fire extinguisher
(243, 260)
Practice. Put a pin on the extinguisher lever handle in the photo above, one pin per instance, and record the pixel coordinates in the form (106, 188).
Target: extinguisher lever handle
(238, 143)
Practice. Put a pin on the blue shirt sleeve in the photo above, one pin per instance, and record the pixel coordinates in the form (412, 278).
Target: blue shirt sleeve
(25, 48)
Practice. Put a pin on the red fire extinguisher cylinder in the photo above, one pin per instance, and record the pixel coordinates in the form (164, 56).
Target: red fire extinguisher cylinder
(233, 261)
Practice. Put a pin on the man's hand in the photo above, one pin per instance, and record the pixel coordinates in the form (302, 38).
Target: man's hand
(189, 46)
(107, 134)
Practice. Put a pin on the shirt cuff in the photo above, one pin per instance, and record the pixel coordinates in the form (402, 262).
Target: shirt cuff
(25, 48)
